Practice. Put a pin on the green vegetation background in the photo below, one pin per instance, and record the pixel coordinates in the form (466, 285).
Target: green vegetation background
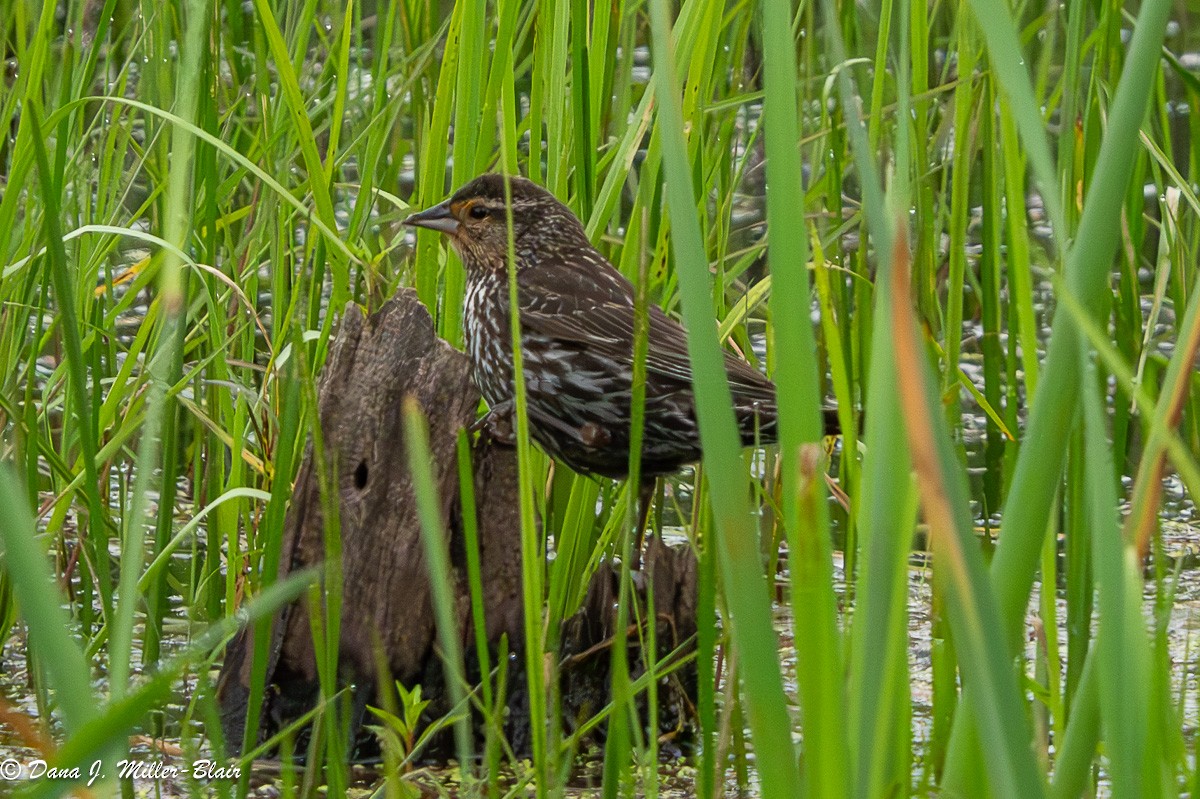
(192, 191)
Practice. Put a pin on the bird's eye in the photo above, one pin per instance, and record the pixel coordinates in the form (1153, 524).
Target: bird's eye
(479, 212)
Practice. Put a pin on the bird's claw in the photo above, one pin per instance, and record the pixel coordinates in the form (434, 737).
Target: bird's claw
(497, 424)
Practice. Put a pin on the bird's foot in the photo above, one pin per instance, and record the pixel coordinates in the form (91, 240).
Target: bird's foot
(497, 424)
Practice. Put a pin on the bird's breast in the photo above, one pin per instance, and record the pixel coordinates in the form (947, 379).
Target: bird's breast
(487, 335)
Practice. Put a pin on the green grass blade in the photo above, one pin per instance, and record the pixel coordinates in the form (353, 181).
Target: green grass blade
(738, 556)
(469, 77)
(1123, 667)
(974, 612)
(1038, 468)
(41, 606)
(293, 99)
(1027, 508)
(81, 405)
(1006, 57)
(533, 555)
(164, 361)
(805, 513)
(437, 554)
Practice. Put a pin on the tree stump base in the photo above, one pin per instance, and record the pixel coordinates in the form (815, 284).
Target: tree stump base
(387, 615)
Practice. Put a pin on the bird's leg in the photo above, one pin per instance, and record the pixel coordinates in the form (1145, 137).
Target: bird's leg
(497, 424)
(645, 499)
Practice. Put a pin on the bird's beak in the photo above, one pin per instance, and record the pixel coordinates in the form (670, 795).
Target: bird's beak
(437, 218)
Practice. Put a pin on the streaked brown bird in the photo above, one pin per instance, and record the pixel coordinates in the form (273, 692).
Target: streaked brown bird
(576, 313)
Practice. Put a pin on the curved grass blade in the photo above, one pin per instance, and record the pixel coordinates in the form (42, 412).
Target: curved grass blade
(329, 231)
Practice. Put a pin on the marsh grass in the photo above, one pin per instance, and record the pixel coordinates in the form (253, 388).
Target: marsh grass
(191, 190)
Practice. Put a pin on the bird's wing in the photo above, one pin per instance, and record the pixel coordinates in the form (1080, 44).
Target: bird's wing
(593, 308)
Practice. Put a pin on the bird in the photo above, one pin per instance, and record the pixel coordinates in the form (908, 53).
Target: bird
(577, 321)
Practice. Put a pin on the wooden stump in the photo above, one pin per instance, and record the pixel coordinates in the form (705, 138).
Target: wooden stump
(387, 605)
(585, 667)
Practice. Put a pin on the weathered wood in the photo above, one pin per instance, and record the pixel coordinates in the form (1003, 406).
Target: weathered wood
(670, 572)
(387, 606)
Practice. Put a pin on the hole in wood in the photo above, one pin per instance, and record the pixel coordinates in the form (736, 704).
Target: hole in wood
(360, 475)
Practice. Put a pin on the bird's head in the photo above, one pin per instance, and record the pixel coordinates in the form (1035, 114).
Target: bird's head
(476, 222)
